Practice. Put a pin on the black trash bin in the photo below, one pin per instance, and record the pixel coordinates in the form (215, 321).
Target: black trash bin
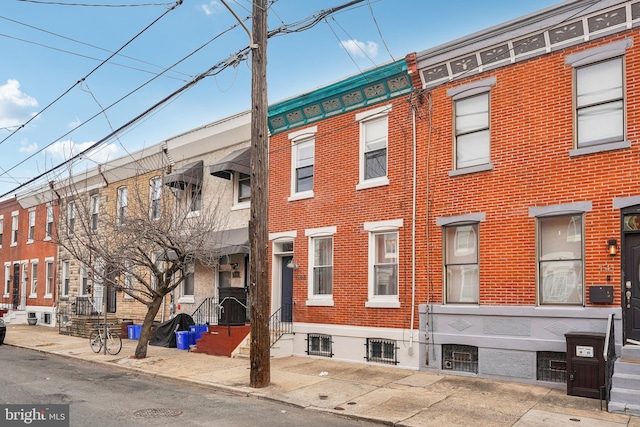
(3, 331)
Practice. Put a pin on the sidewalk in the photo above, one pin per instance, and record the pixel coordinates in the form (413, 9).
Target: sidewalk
(382, 394)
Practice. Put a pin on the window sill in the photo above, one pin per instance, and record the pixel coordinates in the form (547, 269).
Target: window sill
(13, 244)
(33, 296)
(319, 302)
(30, 241)
(6, 295)
(372, 183)
(46, 239)
(301, 196)
(600, 148)
(242, 205)
(48, 296)
(193, 214)
(472, 169)
(187, 300)
(382, 304)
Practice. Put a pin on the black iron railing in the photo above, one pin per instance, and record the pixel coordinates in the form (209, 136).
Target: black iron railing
(207, 312)
(609, 355)
(280, 322)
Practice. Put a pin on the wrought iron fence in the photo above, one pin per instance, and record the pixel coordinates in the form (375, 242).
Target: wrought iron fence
(280, 323)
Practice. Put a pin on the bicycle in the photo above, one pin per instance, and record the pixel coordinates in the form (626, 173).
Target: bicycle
(113, 342)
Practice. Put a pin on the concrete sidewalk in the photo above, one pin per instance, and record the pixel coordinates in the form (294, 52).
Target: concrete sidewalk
(376, 393)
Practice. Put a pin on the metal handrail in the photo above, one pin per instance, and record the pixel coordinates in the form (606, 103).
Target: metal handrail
(278, 327)
(207, 312)
(609, 355)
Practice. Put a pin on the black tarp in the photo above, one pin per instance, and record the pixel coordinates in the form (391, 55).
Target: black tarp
(165, 333)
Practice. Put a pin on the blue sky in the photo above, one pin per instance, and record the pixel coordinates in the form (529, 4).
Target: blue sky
(49, 47)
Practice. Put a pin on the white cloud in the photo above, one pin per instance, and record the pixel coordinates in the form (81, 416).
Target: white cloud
(358, 48)
(64, 150)
(74, 124)
(14, 104)
(25, 147)
(210, 8)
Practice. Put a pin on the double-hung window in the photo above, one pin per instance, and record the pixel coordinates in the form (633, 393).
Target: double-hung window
(188, 284)
(374, 135)
(243, 187)
(95, 210)
(303, 144)
(34, 279)
(320, 265)
(195, 198)
(84, 280)
(48, 290)
(461, 263)
(1, 229)
(32, 226)
(122, 202)
(561, 259)
(49, 225)
(65, 278)
(128, 280)
(14, 228)
(383, 263)
(7, 279)
(472, 131)
(155, 193)
(599, 103)
(71, 217)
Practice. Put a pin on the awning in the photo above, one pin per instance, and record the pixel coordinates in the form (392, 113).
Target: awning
(238, 161)
(187, 174)
(229, 242)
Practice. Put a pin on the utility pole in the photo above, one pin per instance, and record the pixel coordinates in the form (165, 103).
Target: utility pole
(259, 295)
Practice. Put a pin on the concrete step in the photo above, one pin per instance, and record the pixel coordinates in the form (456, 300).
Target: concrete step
(625, 381)
(626, 366)
(623, 408)
(624, 400)
(631, 352)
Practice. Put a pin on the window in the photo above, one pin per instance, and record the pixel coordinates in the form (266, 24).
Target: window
(551, 366)
(156, 192)
(472, 143)
(32, 225)
(7, 279)
(49, 273)
(461, 358)
(128, 279)
(34, 279)
(461, 263)
(159, 264)
(95, 209)
(560, 259)
(195, 197)
(385, 264)
(244, 187)
(381, 351)
(1, 228)
(71, 217)
(374, 136)
(121, 205)
(188, 285)
(49, 226)
(302, 163)
(319, 345)
(320, 266)
(14, 228)
(65, 278)
(85, 289)
(600, 103)
(304, 158)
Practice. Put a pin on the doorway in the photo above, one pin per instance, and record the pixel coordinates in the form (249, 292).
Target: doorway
(16, 286)
(286, 295)
(631, 284)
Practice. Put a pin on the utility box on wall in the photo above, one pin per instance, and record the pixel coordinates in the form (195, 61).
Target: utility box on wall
(585, 364)
(601, 294)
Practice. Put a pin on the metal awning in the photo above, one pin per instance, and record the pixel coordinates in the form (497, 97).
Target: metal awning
(229, 242)
(187, 174)
(238, 161)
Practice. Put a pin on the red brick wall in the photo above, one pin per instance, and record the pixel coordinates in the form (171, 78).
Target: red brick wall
(531, 136)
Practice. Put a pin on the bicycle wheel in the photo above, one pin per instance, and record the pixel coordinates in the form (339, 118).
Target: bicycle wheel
(95, 341)
(114, 343)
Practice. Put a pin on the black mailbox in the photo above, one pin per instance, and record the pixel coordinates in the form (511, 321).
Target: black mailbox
(601, 294)
(585, 364)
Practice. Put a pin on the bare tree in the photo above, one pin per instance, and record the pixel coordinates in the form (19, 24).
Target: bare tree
(143, 238)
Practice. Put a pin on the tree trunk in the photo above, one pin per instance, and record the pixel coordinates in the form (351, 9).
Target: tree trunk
(145, 333)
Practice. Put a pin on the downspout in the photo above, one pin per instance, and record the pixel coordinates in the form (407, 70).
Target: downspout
(413, 228)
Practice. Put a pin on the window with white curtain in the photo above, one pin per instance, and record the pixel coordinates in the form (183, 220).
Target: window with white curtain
(472, 137)
(462, 272)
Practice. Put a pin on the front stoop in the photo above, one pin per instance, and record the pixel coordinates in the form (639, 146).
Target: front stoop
(625, 383)
(221, 340)
(282, 348)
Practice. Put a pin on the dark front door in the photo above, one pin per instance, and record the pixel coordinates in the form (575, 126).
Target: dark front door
(16, 286)
(287, 290)
(631, 286)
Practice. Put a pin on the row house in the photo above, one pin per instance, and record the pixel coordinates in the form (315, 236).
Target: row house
(527, 142)
(28, 259)
(201, 175)
(342, 224)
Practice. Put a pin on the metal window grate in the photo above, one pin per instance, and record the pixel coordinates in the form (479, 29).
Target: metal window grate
(551, 366)
(462, 358)
(382, 351)
(319, 345)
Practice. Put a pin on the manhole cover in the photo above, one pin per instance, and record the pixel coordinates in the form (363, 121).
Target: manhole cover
(157, 413)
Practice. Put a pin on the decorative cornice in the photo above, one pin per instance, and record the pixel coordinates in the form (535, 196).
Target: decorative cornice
(368, 88)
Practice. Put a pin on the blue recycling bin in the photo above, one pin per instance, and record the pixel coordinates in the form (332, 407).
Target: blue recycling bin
(182, 340)
(136, 331)
(131, 332)
(198, 330)
(192, 337)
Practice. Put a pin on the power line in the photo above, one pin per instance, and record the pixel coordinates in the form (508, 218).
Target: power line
(59, 3)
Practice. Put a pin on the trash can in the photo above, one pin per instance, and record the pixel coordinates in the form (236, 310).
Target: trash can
(131, 332)
(124, 328)
(182, 340)
(3, 331)
(585, 364)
